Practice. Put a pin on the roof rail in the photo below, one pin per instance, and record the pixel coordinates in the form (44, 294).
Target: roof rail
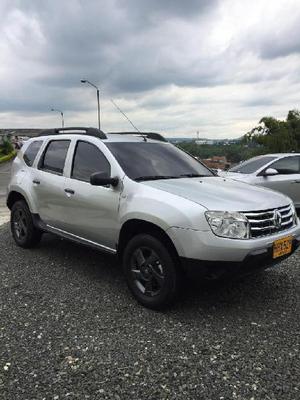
(73, 131)
(149, 135)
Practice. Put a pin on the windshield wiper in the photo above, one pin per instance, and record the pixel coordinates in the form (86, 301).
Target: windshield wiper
(157, 177)
(154, 177)
(192, 176)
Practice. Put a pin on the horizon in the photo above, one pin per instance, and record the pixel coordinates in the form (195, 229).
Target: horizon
(191, 137)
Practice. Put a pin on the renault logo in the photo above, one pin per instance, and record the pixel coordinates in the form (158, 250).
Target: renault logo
(277, 219)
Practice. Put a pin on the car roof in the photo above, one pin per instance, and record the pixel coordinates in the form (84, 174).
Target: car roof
(275, 155)
(129, 138)
(280, 155)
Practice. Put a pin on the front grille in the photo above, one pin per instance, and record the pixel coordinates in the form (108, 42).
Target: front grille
(266, 222)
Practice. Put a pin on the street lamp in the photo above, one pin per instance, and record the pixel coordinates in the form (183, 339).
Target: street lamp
(62, 116)
(98, 98)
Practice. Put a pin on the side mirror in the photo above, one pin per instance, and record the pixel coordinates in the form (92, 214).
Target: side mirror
(270, 172)
(102, 179)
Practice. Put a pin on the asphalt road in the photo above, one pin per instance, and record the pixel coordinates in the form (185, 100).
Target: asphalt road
(70, 330)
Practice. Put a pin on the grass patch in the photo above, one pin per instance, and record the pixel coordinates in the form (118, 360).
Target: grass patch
(7, 157)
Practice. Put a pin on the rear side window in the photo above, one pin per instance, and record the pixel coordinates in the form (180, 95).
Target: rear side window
(87, 160)
(287, 166)
(31, 152)
(55, 156)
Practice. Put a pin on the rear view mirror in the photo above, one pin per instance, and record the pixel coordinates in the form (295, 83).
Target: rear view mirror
(103, 179)
(270, 172)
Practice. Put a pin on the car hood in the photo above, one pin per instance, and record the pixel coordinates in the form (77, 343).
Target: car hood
(216, 193)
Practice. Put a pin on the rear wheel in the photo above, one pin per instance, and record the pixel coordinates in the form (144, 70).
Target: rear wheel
(23, 230)
(151, 272)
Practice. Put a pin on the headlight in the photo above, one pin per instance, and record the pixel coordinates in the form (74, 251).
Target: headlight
(226, 224)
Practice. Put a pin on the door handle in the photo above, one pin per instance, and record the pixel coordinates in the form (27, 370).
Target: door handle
(36, 181)
(296, 181)
(70, 191)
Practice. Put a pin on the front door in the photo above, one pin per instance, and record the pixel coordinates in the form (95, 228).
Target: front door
(92, 211)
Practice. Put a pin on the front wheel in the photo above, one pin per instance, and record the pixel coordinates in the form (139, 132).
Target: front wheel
(151, 272)
(24, 232)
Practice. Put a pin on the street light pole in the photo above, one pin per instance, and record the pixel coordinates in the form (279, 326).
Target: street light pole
(98, 99)
(98, 104)
(62, 116)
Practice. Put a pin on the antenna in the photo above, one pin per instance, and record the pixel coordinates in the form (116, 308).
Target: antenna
(119, 109)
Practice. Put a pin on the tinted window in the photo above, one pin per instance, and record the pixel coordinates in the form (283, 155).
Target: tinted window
(288, 165)
(146, 161)
(87, 160)
(250, 166)
(55, 156)
(31, 152)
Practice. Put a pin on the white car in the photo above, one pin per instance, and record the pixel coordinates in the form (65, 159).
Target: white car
(279, 172)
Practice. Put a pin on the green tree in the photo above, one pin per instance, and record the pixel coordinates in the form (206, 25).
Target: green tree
(275, 135)
(293, 121)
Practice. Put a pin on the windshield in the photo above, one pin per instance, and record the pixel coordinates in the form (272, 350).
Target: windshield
(250, 166)
(149, 161)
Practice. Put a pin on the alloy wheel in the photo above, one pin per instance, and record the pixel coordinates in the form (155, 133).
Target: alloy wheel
(20, 224)
(147, 271)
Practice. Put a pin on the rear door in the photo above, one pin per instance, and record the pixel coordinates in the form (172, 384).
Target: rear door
(91, 211)
(288, 179)
(48, 183)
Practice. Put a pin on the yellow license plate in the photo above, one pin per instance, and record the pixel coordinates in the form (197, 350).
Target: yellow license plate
(282, 247)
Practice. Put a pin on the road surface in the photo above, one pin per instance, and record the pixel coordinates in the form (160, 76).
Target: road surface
(69, 329)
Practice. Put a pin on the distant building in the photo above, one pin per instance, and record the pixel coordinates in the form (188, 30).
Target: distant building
(217, 162)
(204, 141)
(218, 142)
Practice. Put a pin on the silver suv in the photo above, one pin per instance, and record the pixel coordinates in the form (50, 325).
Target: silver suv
(161, 211)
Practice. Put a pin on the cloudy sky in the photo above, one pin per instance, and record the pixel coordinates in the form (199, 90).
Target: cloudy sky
(174, 66)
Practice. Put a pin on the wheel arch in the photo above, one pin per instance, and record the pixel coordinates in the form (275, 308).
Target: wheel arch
(14, 196)
(133, 227)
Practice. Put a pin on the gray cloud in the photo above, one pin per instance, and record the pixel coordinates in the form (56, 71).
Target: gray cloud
(278, 35)
(282, 47)
(139, 50)
(115, 43)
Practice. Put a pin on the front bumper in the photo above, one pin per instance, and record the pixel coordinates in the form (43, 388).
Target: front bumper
(207, 252)
(205, 245)
(215, 270)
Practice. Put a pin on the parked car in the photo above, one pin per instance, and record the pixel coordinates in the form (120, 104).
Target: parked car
(279, 172)
(162, 212)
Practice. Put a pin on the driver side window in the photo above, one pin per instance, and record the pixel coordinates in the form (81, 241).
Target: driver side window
(287, 165)
(87, 160)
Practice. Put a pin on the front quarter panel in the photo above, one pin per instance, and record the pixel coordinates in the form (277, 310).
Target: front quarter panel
(163, 209)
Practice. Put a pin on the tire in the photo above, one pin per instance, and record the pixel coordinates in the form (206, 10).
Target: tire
(24, 232)
(154, 284)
